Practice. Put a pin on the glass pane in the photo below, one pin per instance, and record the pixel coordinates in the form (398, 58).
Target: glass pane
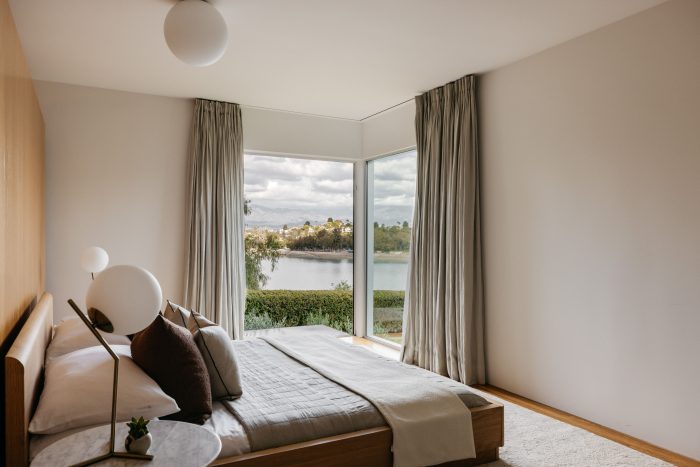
(391, 186)
(298, 242)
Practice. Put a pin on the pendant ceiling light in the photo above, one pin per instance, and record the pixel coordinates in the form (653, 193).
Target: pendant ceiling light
(196, 32)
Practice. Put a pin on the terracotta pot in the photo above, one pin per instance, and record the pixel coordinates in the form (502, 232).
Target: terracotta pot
(138, 446)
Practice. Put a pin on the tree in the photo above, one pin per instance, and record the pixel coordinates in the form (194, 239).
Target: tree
(285, 227)
(330, 219)
(392, 238)
(307, 223)
(404, 225)
(342, 285)
(257, 250)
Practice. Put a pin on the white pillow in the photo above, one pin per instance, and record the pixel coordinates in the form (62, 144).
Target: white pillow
(78, 391)
(71, 334)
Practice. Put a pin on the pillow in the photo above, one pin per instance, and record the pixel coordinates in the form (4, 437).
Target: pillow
(176, 314)
(167, 352)
(216, 348)
(197, 322)
(78, 391)
(71, 334)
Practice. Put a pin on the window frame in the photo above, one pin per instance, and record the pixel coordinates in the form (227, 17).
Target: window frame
(355, 216)
(367, 318)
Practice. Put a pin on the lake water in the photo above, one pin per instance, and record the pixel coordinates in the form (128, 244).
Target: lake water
(321, 274)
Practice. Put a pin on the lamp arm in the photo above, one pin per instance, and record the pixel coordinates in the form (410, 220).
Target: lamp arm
(104, 343)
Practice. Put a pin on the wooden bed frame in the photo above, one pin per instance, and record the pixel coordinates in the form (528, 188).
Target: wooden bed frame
(24, 369)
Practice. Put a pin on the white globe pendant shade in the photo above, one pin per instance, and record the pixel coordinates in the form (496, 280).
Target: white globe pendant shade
(196, 32)
(94, 259)
(123, 299)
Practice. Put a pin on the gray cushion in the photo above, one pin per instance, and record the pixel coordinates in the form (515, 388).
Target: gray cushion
(217, 351)
(176, 314)
(197, 321)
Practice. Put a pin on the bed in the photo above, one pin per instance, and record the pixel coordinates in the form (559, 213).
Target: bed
(371, 446)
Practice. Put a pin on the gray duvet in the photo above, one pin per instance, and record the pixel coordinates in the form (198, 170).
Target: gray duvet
(286, 402)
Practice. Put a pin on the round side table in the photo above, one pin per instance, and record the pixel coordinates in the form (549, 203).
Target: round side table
(174, 443)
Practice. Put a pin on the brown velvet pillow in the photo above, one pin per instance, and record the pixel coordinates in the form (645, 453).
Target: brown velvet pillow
(169, 355)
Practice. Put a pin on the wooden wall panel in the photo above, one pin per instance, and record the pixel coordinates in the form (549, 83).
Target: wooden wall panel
(21, 182)
(21, 194)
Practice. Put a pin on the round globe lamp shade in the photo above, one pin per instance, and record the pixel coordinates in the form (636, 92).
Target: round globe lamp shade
(196, 32)
(94, 259)
(123, 299)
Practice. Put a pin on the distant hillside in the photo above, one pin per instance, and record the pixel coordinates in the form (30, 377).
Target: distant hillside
(274, 218)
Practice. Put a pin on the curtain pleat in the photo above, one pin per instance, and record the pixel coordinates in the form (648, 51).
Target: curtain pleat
(444, 306)
(215, 272)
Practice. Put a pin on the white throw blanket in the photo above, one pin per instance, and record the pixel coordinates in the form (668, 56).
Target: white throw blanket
(430, 424)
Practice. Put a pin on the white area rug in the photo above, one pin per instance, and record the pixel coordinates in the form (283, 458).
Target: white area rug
(535, 440)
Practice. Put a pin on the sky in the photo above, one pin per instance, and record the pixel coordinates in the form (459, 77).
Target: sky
(290, 191)
(394, 188)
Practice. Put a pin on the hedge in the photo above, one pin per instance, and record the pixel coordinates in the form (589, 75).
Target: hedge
(304, 307)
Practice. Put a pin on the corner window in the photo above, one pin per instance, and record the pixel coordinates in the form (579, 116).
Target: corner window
(391, 186)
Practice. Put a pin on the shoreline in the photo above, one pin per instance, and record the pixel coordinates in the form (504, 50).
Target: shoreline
(399, 256)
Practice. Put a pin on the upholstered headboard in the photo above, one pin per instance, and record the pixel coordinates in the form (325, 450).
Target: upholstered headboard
(24, 370)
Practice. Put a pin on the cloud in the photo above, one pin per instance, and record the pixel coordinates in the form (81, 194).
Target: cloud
(394, 182)
(285, 190)
(397, 168)
(334, 186)
(288, 191)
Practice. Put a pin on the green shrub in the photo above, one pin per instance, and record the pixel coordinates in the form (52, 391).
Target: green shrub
(294, 307)
(277, 308)
(319, 318)
(388, 299)
(263, 321)
(389, 320)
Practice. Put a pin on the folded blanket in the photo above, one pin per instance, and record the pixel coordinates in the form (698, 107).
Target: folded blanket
(430, 423)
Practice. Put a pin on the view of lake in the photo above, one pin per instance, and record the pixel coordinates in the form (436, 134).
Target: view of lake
(319, 274)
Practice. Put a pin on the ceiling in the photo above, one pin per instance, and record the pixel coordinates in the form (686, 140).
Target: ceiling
(340, 58)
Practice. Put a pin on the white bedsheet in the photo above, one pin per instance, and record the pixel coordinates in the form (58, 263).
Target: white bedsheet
(234, 441)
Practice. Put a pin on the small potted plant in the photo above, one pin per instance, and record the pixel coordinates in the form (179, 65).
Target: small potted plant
(139, 439)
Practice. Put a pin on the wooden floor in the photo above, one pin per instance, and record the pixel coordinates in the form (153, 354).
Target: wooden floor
(600, 430)
(616, 436)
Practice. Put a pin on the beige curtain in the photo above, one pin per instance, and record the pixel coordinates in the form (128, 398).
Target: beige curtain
(215, 272)
(444, 309)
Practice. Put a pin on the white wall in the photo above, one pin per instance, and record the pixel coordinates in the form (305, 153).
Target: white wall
(591, 184)
(390, 131)
(116, 176)
(289, 133)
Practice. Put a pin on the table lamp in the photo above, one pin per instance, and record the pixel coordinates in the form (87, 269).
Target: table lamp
(94, 259)
(122, 300)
